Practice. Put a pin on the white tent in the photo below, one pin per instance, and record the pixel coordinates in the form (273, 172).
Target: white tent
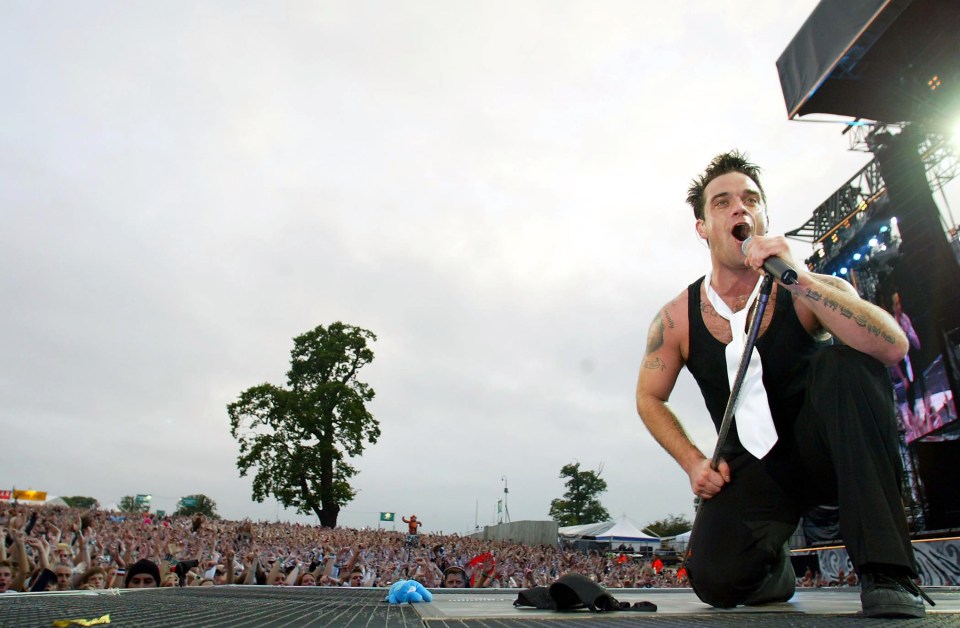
(678, 542)
(54, 501)
(622, 530)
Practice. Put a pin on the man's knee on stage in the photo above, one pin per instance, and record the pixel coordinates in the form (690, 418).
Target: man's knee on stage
(759, 575)
(727, 585)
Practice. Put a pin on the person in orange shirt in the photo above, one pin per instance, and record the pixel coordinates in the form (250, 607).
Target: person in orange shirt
(657, 564)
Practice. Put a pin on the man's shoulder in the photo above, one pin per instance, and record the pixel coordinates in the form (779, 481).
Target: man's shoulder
(675, 311)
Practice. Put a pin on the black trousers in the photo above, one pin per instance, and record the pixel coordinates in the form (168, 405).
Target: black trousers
(843, 448)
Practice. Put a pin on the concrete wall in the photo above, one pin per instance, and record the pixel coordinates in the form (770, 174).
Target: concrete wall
(525, 532)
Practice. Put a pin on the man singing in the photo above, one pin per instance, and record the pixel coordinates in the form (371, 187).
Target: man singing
(815, 421)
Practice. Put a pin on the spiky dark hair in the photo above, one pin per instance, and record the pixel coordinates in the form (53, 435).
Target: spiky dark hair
(733, 161)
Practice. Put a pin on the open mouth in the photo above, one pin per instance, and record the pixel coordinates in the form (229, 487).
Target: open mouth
(741, 231)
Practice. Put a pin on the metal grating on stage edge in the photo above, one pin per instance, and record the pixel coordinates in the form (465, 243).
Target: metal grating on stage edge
(212, 606)
(318, 606)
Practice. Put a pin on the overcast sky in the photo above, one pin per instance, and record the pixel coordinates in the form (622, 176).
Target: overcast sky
(495, 189)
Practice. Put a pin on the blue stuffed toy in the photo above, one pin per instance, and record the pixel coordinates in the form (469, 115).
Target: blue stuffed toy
(408, 591)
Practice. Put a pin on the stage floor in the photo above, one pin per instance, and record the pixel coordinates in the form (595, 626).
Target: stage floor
(299, 606)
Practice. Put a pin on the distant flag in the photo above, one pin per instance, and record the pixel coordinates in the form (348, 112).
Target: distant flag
(480, 560)
(388, 516)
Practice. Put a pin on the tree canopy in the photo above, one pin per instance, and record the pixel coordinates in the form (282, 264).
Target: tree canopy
(196, 504)
(128, 503)
(299, 437)
(580, 504)
(671, 525)
(80, 502)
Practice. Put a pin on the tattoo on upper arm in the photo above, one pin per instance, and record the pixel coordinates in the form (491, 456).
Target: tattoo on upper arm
(655, 364)
(666, 314)
(655, 335)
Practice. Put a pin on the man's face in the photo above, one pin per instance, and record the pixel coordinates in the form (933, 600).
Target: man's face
(356, 579)
(455, 580)
(734, 210)
(63, 578)
(142, 581)
(6, 578)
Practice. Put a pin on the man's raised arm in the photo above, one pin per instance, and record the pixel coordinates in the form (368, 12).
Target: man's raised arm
(855, 322)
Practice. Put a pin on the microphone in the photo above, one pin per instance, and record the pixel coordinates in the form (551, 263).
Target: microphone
(775, 266)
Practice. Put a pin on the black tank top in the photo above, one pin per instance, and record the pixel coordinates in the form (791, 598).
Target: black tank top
(785, 350)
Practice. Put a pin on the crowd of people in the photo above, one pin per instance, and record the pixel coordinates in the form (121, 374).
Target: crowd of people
(59, 549)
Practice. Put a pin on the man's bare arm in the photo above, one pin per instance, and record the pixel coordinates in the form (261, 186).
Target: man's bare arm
(855, 322)
(836, 306)
(658, 376)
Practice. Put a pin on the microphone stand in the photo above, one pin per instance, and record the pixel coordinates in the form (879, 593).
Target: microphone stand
(766, 287)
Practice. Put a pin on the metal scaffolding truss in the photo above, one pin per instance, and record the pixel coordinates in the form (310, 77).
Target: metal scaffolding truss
(851, 204)
(851, 201)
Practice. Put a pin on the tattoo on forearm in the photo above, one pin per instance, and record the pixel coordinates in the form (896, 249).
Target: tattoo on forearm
(655, 364)
(859, 318)
(655, 335)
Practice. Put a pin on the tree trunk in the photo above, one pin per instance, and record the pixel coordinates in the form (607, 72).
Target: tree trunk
(328, 515)
(327, 510)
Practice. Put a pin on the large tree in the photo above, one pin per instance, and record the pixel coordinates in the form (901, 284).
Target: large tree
(198, 504)
(671, 525)
(300, 436)
(580, 504)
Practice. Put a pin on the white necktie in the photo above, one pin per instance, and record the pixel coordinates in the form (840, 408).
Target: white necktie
(754, 421)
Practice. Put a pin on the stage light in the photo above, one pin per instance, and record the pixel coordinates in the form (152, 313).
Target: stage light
(934, 82)
(856, 257)
(873, 242)
(884, 229)
(843, 271)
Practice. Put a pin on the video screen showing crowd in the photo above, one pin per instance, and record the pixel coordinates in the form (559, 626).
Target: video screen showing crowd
(925, 405)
